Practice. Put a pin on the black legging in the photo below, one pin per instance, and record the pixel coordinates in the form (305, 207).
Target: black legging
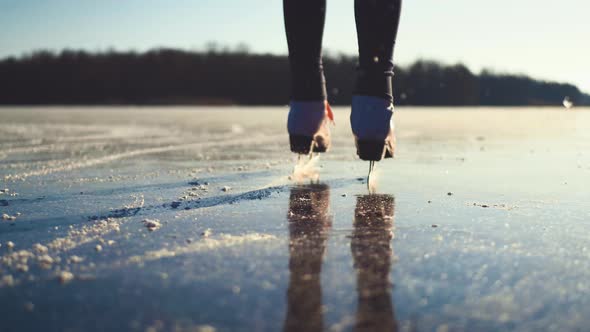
(376, 24)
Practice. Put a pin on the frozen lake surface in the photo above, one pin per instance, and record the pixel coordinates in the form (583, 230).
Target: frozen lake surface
(159, 219)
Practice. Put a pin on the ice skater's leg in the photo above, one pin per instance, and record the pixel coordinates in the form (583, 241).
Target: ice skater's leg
(310, 113)
(371, 118)
(376, 23)
(304, 25)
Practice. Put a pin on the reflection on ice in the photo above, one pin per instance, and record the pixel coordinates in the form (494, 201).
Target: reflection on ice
(372, 254)
(309, 224)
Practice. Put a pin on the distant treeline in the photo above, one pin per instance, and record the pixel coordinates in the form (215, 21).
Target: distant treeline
(181, 77)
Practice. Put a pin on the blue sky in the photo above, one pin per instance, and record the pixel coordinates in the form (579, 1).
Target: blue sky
(542, 38)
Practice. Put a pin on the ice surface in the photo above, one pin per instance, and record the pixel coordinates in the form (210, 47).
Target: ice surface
(508, 250)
